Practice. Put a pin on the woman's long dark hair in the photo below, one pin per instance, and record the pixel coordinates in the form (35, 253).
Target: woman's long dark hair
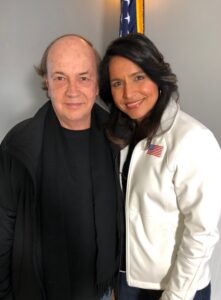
(140, 50)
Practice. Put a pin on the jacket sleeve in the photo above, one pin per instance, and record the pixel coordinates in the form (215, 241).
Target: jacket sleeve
(197, 185)
(7, 222)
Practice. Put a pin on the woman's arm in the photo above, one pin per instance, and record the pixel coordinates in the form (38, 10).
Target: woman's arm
(198, 188)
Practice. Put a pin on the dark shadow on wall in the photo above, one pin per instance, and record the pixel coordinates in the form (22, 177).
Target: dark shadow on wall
(37, 95)
(35, 86)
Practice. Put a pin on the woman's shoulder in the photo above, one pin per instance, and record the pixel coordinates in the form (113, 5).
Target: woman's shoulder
(179, 124)
(186, 132)
(188, 129)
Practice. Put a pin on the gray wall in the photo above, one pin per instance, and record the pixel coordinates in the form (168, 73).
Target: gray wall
(186, 31)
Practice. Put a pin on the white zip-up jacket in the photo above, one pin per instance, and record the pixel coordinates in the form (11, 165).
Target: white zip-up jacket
(173, 204)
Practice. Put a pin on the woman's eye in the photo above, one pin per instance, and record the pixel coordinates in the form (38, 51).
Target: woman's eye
(115, 84)
(139, 77)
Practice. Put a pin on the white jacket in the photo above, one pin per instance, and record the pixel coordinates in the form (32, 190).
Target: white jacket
(173, 204)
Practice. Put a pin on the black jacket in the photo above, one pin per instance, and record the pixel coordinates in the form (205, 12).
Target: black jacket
(20, 259)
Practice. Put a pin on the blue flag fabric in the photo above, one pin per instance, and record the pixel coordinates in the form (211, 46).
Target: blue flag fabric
(131, 17)
(128, 17)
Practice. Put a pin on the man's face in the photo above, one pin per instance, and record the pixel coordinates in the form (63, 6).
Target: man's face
(72, 81)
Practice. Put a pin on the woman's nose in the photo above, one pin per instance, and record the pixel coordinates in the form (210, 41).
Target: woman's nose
(128, 90)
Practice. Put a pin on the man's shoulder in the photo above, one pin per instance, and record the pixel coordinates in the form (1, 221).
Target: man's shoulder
(26, 127)
(102, 105)
(100, 112)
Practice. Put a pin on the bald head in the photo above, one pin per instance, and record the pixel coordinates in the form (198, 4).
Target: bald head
(68, 51)
(64, 42)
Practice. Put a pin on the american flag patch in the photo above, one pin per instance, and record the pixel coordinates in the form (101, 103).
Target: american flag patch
(155, 150)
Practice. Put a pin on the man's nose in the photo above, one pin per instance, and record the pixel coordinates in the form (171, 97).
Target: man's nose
(72, 88)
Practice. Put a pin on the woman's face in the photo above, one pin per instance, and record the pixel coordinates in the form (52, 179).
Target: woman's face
(133, 91)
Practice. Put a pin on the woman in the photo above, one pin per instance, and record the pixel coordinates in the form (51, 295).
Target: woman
(171, 169)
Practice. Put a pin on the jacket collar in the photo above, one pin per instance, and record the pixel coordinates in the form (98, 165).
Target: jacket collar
(167, 121)
(24, 141)
(168, 117)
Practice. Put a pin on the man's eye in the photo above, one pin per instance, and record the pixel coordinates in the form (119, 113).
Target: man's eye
(59, 78)
(84, 78)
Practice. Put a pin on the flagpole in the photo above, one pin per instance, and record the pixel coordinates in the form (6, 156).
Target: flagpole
(140, 15)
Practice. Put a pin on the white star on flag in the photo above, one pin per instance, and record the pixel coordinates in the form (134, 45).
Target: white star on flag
(127, 18)
(132, 17)
(128, 1)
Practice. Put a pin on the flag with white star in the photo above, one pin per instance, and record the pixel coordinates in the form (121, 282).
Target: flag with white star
(131, 17)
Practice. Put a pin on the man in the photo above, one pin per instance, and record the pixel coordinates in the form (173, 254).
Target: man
(58, 198)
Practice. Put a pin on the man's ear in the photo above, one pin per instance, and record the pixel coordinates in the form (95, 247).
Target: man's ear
(46, 86)
(45, 80)
(97, 91)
